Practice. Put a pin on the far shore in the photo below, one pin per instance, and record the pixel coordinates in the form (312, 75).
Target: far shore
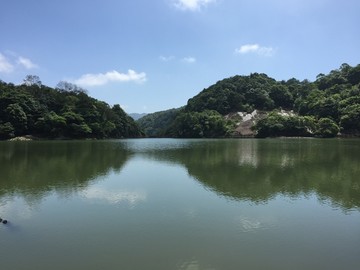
(34, 138)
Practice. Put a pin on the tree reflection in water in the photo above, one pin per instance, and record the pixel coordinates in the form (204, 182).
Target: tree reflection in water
(245, 169)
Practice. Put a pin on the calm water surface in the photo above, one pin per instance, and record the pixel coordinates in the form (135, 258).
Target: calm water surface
(180, 204)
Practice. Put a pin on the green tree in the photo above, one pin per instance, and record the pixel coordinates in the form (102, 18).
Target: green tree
(17, 117)
(52, 124)
(354, 75)
(6, 131)
(270, 126)
(327, 128)
(350, 120)
(275, 124)
(32, 80)
(206, 124)
(281, 96)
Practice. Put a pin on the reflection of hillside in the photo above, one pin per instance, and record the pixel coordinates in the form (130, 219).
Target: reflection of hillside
(248, 154)
(246, 169)
(258, 170)
(35, 168)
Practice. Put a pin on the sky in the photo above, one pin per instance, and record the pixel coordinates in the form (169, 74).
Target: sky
(153, 55)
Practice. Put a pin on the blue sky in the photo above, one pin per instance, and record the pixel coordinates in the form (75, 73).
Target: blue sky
(152, 55)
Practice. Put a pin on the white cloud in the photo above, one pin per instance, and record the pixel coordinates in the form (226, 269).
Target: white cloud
(166, 58)
(248, 48)
(255, 48)
(189, 60)
(5, 65)
(192, 5)
(27, 63)
(111, 76)
(11, 62)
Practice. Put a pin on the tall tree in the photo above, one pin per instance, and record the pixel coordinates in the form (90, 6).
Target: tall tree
(31, 80)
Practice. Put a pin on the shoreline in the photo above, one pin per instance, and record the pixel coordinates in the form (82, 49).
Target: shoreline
(25, 138)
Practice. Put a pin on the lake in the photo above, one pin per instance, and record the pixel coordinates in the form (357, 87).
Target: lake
(180, 204)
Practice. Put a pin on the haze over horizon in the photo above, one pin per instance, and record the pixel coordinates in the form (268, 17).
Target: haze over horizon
(151, 56)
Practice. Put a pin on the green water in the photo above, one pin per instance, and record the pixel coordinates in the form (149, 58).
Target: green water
(180, 204)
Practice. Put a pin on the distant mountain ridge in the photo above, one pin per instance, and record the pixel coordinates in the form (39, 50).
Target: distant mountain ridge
(137, 116)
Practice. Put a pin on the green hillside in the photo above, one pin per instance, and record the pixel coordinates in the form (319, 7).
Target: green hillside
(64, 112)
(322, 108)
(157, 124)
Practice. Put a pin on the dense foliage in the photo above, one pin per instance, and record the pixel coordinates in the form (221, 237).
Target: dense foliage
(322, 108)
(275, 124)
(64, 112)
(205, 124)
(157, 124)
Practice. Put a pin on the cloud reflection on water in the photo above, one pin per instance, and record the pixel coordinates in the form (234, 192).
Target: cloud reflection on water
(114, 196)
(15, 208)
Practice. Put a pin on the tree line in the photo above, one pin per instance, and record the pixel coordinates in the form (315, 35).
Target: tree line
(65, 111)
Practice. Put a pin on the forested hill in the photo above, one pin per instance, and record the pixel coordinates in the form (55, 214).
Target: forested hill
(322, 108)
(258, 91)
(62, 112)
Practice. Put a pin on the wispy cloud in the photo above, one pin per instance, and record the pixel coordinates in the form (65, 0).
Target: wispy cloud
(255, 48)
(111, 76)
(191, 5)
(5, 65)
(26, 63)
(189, 60)
(166, 58)
(10, 62)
